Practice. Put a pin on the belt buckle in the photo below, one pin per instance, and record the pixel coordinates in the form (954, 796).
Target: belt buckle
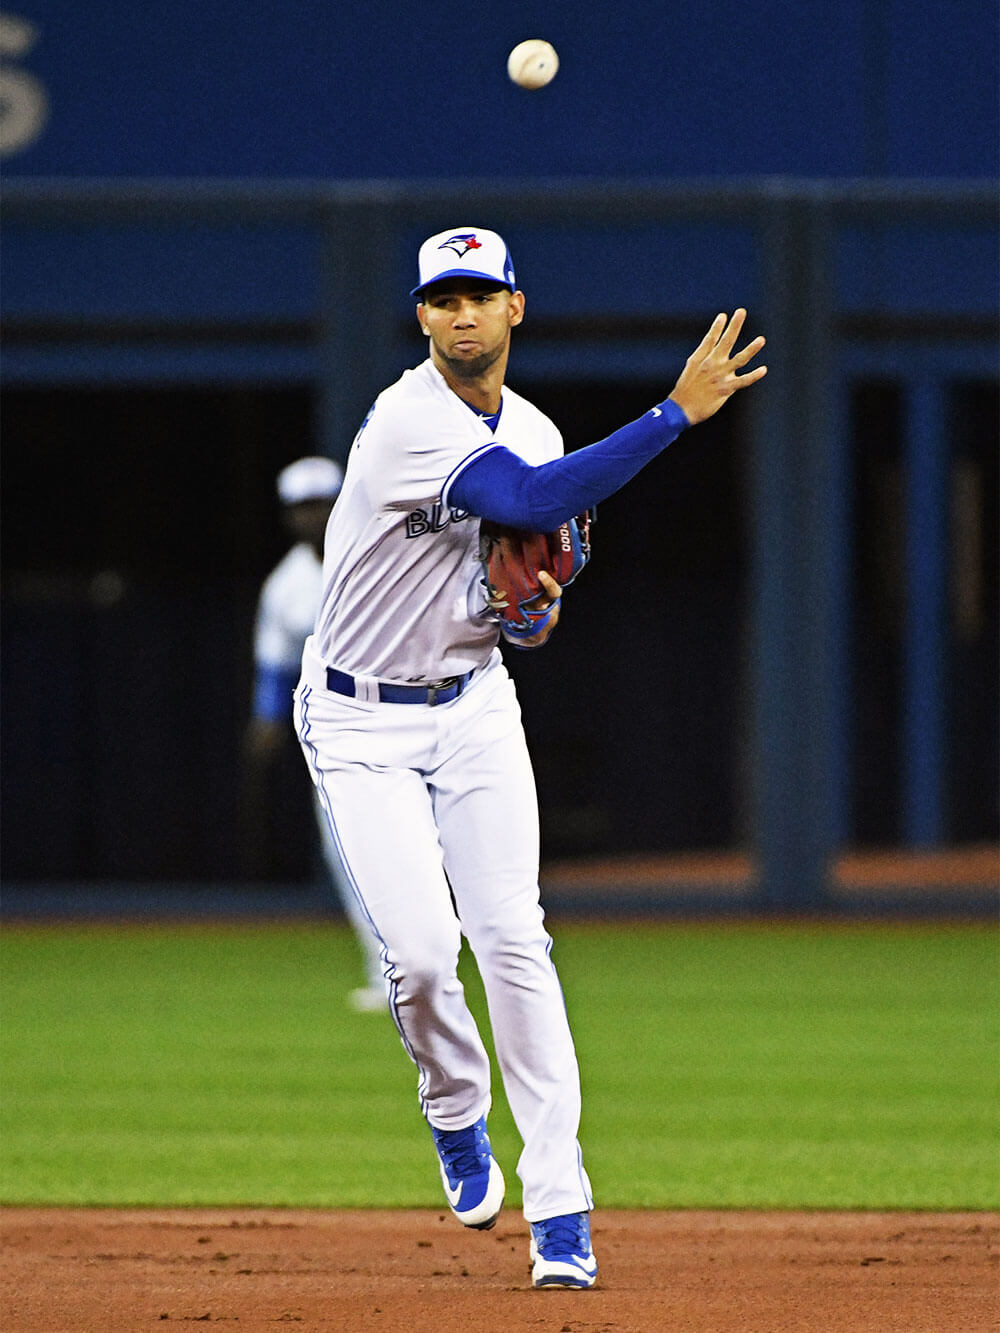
(432, 690)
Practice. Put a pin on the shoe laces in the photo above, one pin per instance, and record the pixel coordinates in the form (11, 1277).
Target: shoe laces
(569, 1234)
(464, 1152)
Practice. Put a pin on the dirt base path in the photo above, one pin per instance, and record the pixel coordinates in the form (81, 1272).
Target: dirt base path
(101, 1271)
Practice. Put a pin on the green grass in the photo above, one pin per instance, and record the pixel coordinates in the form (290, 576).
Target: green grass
(723, 1066)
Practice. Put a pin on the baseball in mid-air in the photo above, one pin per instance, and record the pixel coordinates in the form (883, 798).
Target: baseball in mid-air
(533, 64)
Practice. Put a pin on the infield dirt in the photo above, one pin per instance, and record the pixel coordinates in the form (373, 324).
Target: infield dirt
(126, 1271)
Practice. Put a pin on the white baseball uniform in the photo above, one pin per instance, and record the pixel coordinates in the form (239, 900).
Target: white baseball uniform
(286, 612)
(432, 801)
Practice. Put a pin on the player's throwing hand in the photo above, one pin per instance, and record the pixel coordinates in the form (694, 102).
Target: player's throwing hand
(709, 376)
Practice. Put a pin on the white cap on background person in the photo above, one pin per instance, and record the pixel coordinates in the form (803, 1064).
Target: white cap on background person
(464, 252)
(312, 478)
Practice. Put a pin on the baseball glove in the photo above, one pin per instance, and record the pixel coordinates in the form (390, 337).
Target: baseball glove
(511, 561)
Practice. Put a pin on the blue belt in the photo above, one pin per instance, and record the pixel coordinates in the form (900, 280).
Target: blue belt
(440, 693)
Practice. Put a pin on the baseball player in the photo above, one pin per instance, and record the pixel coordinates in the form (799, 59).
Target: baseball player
(410, 724)
(286, 610)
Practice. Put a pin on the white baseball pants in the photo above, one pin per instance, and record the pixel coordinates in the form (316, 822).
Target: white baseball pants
(370, 948)
(433, 810)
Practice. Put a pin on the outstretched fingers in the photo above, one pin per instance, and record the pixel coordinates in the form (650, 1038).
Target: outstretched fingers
(748, 352)
(751, 377)
(734, 361)
(721, 339)
(732, 331)
(710, 374)
(711, 338)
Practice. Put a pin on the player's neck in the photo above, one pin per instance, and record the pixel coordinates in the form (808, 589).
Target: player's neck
(481, 391)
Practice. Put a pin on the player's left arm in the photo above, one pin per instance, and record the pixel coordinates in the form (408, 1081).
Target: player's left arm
(496, 484)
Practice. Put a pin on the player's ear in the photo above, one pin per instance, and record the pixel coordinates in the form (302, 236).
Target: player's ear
(515, 308)
(423, 327)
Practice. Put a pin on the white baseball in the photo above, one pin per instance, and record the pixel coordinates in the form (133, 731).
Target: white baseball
(533, 64)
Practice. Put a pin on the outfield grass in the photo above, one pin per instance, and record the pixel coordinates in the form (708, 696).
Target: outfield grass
(723, 1066)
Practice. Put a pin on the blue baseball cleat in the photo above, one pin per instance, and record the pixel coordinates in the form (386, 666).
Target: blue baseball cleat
(473, 1182)
(561, 1254)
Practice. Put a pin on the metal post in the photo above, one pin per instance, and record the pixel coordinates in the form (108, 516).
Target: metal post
(358, 308)
(926, 630)
(799, 504)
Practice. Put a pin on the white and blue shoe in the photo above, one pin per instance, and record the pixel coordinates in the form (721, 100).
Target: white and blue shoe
(472, 1179)
(561, 1253)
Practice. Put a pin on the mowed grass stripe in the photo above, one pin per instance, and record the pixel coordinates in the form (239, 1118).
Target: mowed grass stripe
(723, 1065)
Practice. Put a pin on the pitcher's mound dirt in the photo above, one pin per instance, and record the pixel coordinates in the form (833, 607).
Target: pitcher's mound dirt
(101, 1271)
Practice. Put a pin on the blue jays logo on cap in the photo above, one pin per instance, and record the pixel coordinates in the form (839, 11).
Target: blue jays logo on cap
(462, 243)
(465, 252)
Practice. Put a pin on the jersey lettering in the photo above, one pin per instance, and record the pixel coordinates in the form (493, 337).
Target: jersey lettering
(420, 521)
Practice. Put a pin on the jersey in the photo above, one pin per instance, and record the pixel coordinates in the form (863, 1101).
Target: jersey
(403, 596)
(286, 612)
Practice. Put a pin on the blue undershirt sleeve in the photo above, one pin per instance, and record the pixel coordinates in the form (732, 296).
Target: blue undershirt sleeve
(500, 486)
(272, 695)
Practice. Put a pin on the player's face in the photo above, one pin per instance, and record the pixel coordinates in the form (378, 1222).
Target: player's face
(469, 323)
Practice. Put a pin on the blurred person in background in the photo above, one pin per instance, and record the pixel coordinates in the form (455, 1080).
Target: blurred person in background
(286, 608)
